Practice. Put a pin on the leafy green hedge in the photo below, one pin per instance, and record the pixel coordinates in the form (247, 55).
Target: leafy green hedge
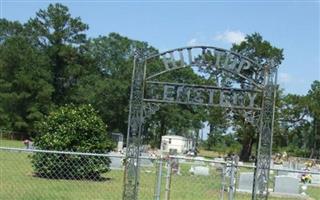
(76, 129)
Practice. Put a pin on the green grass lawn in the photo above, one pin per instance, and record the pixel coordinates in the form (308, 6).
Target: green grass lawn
(11, 143)
(18, 183)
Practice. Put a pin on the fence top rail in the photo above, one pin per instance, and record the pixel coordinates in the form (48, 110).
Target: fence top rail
(59, 152)
(244, 166)
(12, 149)
(198, 159)
(56, 152)
(285, 170)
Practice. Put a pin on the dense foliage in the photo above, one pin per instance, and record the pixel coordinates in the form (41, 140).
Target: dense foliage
(75, 129)
(49, 61)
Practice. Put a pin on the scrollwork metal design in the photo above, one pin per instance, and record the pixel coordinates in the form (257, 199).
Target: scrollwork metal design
(261, 175)
(135, 124)
(260, 117)
(149, 109)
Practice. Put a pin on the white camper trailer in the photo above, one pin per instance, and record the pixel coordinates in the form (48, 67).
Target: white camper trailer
(176, 144)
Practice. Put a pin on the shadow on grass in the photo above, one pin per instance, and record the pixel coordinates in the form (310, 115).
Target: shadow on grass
(93, 179)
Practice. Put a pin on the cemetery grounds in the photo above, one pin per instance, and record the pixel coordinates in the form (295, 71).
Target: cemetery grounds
(18, 183)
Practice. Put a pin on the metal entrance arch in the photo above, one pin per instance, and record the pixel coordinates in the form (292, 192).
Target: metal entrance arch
(253, 79)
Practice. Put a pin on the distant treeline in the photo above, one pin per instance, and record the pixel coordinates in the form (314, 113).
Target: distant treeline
(49, 61)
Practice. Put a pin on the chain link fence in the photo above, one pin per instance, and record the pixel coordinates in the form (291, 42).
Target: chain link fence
(215, 179)
(66, 175)
(32, 174)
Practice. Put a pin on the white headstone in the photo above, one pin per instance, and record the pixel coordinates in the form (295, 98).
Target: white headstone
(246, 181)
(315, 179)
(276, 166)
(116, 163)
(219, 159)
(286, 185)
(199, 170)
(301, 166)
(294, 174)
(286, 164)
(199, 160)
(315, 169)
(145, 162)
(282, 172)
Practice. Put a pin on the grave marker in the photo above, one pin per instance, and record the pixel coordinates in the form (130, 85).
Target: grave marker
(286, 185)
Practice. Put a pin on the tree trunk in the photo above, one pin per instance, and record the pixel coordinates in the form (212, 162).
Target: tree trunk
(246, 149)
(315, 140)
(212, 133)
(163, 131)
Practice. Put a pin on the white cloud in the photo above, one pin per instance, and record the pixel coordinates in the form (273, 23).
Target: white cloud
(285, 77)
(193, 41)
(230, 37)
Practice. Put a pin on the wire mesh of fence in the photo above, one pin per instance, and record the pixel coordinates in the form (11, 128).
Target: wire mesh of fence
(196, 179)
(40, 174)
(30, 174)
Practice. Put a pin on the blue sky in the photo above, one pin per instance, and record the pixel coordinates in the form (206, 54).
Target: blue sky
(291, 25)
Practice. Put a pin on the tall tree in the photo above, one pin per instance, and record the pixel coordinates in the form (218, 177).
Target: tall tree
(299, 123)
(292, 114)
(259, 50)
(25, 89)
(61, 37)
(107, 88)
(9, 29)
(314, 108)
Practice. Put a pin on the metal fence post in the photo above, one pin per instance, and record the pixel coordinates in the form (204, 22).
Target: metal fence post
(223, 171)
(159, 177)
(168, 180)
(232, 178)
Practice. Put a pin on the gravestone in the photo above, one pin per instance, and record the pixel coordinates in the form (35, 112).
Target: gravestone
(199, 170)
(245, 182)
(315, 179)
(199, 160)
(294, 174)
(315, 169)
(286, 185)
(116, 163)
(145, 161)
(279, 170)
(276, 167)
(282, 172)
(218, 165)
(301, 166)
(219, 159)
(116, 160)
(294, 165)
(286, 164)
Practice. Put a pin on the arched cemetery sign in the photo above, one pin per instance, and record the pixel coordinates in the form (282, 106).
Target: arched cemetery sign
(252, 79)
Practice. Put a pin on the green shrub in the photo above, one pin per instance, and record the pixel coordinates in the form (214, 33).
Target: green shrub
(76, 129)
